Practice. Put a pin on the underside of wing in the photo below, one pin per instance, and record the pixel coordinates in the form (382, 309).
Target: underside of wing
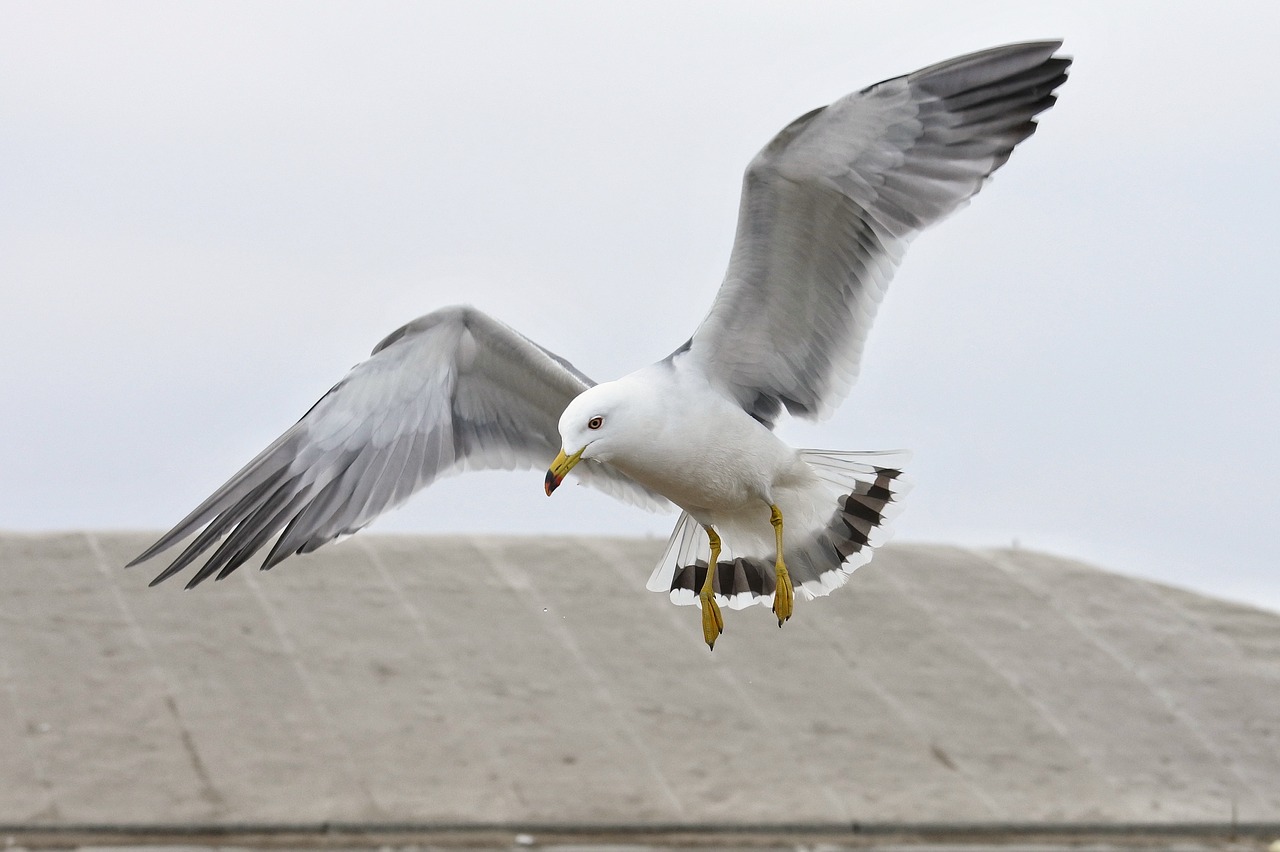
(454, 390)
(829, 206)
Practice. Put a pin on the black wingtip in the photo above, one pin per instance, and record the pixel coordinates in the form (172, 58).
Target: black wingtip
(166, 574)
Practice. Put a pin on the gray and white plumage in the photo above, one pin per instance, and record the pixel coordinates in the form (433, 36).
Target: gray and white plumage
(452, 391)
(828, 208)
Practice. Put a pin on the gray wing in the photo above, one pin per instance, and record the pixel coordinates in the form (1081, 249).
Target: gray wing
(829, 206)
(450, 391)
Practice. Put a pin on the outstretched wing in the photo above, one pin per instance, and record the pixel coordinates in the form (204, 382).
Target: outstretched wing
(450, 391)
(829, 206)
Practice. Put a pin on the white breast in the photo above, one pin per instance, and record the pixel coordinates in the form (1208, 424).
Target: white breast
(699, 449)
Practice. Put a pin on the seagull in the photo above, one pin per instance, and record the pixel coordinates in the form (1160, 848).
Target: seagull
(828, 208)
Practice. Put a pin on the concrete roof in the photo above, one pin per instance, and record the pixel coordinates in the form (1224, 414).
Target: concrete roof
(509, 680)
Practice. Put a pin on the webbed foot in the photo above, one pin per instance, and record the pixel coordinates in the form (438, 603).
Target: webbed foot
(712, 620)
(784, 597)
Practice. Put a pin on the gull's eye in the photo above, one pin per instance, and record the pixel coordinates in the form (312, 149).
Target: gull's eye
(595, 422)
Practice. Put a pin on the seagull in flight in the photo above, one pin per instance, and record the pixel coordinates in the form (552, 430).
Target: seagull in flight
(828, 208)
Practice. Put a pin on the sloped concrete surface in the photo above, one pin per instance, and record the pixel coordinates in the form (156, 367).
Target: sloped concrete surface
(526, 680)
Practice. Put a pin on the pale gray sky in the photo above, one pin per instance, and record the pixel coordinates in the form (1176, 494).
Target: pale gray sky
(209, 211)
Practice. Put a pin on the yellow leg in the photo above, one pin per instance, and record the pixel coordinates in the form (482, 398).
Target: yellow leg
(712, 620)
(784, 597)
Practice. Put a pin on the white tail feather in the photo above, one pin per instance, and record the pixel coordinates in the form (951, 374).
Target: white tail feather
(831, 528)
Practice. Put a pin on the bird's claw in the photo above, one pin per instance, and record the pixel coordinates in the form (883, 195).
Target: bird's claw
(712, 620)
(784, 595)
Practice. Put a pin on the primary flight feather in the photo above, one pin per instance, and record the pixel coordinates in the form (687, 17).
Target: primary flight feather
(828, 208)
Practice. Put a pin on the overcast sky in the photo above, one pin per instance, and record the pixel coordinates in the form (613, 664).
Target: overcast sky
(210, 211)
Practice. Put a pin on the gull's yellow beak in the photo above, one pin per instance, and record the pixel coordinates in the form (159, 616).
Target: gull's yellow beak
(561, 466)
